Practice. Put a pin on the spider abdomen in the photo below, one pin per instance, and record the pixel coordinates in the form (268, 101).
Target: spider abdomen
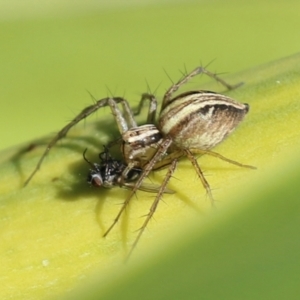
(200, 119)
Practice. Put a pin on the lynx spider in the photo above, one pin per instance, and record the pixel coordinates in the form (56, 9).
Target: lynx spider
(190, 123)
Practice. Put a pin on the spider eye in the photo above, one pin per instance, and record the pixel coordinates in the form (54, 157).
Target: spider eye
(95, 179)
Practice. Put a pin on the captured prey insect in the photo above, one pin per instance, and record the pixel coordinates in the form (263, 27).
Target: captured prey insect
(109, 171)
(190, 123)
(108, 174)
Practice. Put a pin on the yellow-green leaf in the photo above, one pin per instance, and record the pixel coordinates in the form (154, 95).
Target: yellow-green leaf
(51, 231)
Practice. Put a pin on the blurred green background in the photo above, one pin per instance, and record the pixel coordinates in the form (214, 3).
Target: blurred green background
(52, 52)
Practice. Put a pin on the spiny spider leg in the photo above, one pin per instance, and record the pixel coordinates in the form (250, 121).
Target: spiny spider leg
(147, 169)
(122, 125)
(152, 107)
(128, 114)
(199, 172)
(190, 154)
(154, 205)
(168, 159)
(215, 154)
(185, 79)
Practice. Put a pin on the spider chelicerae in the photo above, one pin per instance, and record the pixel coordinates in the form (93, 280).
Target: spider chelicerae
(190, 123)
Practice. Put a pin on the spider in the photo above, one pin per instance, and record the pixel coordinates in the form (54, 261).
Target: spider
(190, 123)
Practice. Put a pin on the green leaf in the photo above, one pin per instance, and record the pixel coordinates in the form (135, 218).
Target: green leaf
(51, 230)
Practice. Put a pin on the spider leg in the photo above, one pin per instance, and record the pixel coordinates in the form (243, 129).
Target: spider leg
(112, 102)
(154, 205)
(215, 154)
(147, 169)
(147, 187)
(199, 172)
(167, 160)
(129, 115)
(152, 107)
(189, 76)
